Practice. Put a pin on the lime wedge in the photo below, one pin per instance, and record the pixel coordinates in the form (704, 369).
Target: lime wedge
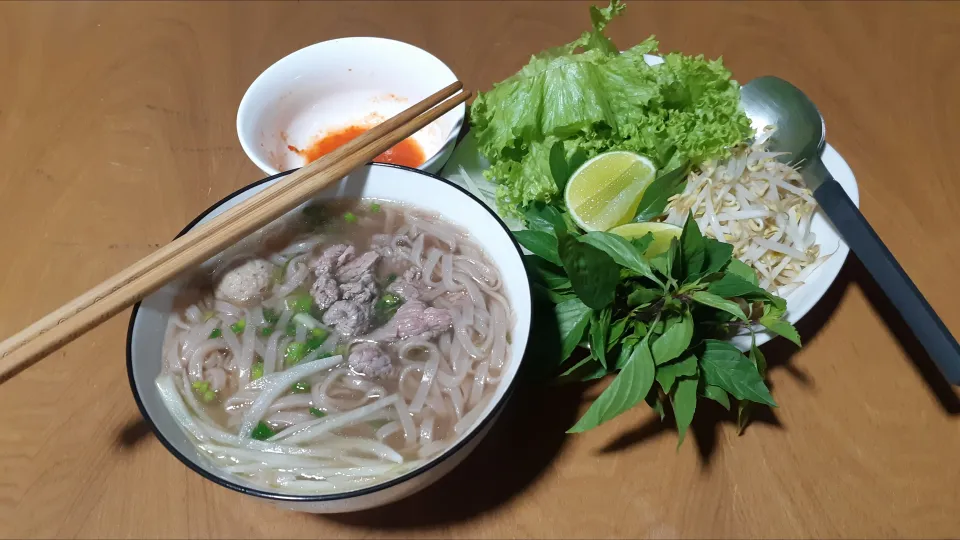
(606, 190)
(662, 234)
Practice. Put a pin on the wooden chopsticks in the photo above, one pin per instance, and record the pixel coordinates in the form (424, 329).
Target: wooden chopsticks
(155, 270)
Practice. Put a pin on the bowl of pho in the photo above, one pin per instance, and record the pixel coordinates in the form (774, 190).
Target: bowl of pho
(346, 355)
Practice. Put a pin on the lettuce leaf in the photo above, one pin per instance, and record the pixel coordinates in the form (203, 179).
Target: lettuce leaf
(591, 96)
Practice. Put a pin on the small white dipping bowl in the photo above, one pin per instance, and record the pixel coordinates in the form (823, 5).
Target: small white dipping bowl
(340, 83)
(388, 182)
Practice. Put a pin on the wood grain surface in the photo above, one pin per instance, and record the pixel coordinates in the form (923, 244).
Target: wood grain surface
(117, 127)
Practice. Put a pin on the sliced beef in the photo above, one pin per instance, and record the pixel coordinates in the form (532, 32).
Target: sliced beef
(414, 319)
(368, 359)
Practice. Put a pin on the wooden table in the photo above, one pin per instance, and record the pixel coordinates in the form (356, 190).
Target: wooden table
(117, 128)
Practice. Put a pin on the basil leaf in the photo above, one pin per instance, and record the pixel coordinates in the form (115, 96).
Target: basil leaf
(557, 297)
(653, 400)
(642, 295)
(717, 254)
(593, 372)
(558, 166)
(684, 405)
(654, 199)
(692, 248)
(632, 385)
(572, 318)
(544, 217)
(731, 286)
(781, 328)
(593, 274)
(742, 270)
(541, 244)
(757, 357)
(668, 373)
(664, 261)
(616, 332)
(743, 416)
(546, 273)
(578, 158)
(725, 366)
(675, 339)
(621, 251)
(626, 349)
(717, 394)
(716, 302)
(641, 244)
(599, 329)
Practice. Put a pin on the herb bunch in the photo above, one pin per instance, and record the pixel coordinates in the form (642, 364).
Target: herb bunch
(662, 324)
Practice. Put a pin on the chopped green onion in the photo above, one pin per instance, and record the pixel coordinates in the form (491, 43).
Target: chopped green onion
(317, 412)
(271, 316)
(291, 330)
(391, 278)
(266, 331)
(300, 387)
(390, 299)
(238, 326)
(305, 319)
(262, 432)
(349, 217)
(256, 370)
(209, 396)
(374, 207)
(317, 337)
(216, 333)
(294, 353)
(202, 386)
(299, 303)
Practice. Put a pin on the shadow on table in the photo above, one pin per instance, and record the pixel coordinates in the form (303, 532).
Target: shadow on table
(779, 354)
(520, 446)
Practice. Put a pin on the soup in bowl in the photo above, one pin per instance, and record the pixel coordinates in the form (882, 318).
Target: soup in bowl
(344, 356)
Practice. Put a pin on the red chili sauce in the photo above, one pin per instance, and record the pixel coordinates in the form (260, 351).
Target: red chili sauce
(407, 152)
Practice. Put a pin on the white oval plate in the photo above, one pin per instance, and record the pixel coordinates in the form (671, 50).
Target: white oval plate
(799, 302)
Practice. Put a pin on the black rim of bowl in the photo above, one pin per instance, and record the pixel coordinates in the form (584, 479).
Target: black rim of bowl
(449, 452)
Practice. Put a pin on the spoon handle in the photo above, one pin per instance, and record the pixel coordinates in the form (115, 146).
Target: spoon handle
(883, 266)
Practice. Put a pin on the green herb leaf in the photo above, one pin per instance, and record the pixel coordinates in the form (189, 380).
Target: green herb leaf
(616, 332)
(664, 261)
(654, 200)
(725, 366)
(551, 275)
(629, 388)
(731, 285)
(620, 250)
(317, 412)
(684, 405)
(599, 330)
(781, 328)
(743, 271)
(641, 244)
(692, 248)
(743, 416)
(717, 254)
(757, 357)
(572, 318)
(593, 274)
(668, 373)
(716, 302)
(642, 295)
(717, 394)
(653, 400)
(558, 165)
(675, 339)
(578, 158)
(539, 243)
(544, 217)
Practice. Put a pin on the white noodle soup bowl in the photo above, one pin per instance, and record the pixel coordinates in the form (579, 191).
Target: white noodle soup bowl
(331, 85)
(378, 181)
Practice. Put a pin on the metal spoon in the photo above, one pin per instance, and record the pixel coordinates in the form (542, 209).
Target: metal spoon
(770, 101)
